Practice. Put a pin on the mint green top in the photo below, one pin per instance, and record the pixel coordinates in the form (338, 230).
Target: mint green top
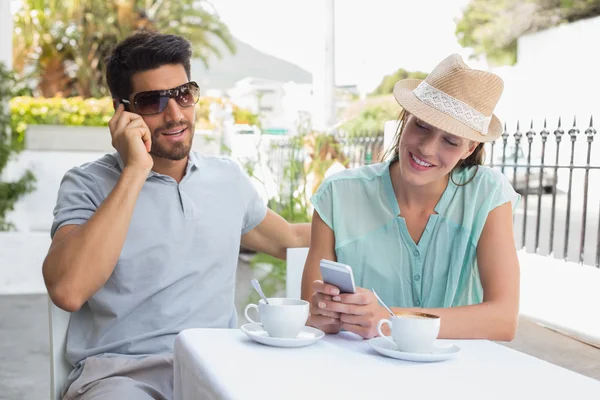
(360, 206)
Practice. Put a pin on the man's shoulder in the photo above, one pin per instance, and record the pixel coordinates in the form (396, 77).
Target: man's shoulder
(107, 164)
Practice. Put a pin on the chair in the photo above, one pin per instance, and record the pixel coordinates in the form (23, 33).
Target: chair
(59, 367)
(295, 259)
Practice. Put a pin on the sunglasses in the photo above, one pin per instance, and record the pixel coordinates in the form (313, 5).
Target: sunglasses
(155, 101)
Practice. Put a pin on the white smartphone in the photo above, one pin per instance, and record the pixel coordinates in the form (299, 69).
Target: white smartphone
(339, 275)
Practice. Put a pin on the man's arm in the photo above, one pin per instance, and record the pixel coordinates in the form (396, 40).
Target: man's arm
(274, 235)
(82, 257)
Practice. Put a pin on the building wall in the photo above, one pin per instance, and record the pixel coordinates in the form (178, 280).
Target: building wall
(555, 75)
(6, 28)
(50, 157)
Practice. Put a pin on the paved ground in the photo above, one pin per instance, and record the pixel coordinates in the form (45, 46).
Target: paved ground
(24, 349)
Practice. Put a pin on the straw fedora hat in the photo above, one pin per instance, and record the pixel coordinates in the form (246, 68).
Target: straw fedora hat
(455, 99)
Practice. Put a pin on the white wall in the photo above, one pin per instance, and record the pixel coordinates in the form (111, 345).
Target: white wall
(556, 75)
(561, 295)
(21, 258)
(6, 28)
(33, 213)
(263, 97)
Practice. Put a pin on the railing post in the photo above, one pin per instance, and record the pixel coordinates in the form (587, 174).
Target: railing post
(590, 133)
(530, 134)
(544, 135)
(573, 132)
(504, 143)
(517, 135)
(558, 134)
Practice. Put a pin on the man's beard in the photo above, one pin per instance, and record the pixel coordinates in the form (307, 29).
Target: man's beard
(177, 150)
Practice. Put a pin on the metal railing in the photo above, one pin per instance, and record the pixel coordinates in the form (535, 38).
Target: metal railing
(535, 173)
(554, 184)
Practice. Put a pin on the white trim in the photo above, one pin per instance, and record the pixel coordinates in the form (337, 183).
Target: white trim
(454, 107)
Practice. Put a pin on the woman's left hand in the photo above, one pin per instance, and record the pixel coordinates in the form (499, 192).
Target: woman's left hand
(359, 312)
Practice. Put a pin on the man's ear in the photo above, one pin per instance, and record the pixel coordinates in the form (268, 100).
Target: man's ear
(116, 103)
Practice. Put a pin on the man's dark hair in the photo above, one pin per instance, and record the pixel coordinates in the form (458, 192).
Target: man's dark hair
(140, 52)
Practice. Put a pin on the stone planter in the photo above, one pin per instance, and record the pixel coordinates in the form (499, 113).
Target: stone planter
(68, 138)
(97, 139)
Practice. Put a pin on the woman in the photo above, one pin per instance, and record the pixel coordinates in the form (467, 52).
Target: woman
(430, 229)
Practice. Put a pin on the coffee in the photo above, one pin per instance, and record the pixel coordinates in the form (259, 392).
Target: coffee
(416, 315)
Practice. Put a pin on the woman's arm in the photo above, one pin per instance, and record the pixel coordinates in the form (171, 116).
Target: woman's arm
(322, 246)
(497, 316)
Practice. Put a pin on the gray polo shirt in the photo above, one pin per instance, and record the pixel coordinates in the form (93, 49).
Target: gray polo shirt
(178, 264)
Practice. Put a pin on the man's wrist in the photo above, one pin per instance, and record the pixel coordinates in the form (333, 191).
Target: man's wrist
(136, 172)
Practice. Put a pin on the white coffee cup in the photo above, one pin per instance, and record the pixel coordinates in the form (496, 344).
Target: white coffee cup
(281, 318)
(412, 332)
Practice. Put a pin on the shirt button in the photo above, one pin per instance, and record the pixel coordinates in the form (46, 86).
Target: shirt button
(418, 303)
(417, 278)
(416, 253)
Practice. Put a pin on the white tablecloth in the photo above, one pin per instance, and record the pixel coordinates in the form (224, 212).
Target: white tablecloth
(226, 364)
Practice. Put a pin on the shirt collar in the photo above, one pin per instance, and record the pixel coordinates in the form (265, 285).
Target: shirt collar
(192, 163)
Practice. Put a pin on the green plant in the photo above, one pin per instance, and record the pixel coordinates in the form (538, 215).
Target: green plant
(292, 202)
(26, 110)
(492, 27)
(387, 83)
(10, 192)
(65, 41)
(77, 111)
(371, 120)
(244, 116)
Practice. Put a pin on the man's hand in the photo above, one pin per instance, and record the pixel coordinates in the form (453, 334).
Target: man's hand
(132, 138)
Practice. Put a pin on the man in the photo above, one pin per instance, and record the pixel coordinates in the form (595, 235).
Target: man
(145, 240)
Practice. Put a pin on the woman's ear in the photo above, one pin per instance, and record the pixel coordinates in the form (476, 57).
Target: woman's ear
(472, 146)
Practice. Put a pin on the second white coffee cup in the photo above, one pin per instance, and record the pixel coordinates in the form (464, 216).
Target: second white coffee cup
(281, 318)
(412, 332)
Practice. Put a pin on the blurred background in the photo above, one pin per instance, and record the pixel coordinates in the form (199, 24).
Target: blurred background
(294, 91)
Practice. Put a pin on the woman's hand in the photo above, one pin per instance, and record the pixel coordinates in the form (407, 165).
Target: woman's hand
(358, 313)
(321, 318)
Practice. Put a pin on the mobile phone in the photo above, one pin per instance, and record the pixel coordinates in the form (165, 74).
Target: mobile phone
(339, 275)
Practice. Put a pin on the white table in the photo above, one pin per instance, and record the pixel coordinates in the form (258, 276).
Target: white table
(226, 364)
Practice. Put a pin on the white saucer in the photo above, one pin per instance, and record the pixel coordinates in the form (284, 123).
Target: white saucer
(308, 335)
(382, 346)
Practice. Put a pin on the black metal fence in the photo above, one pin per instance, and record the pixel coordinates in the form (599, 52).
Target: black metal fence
(555, 183)
(557, 173)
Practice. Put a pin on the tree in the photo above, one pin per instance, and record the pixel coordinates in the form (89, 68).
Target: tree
(492, 27)
(387, 84)
(64, 42)
(10, 192)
